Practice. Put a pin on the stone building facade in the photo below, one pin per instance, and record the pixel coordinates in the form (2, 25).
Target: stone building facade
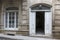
(25, 14)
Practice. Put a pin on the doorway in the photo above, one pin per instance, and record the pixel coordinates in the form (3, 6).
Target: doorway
(40, 22)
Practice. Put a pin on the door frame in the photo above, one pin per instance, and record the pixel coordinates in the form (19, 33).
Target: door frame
(32, 31)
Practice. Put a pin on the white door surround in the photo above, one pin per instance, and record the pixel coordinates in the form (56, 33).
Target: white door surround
(32, 23)
(48, 23)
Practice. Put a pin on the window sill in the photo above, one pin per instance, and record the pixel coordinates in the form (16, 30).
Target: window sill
(12, 29)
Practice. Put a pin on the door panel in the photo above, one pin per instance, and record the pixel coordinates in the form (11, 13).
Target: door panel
(48, 23)
(32, 23)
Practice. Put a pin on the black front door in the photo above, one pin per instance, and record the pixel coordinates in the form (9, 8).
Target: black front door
(40, 22)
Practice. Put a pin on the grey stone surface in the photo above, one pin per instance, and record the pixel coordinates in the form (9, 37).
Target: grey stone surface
(2, 38)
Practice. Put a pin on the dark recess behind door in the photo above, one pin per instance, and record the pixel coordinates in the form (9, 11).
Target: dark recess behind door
(40, 22)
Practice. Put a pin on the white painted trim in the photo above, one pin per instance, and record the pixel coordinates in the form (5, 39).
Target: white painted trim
(11, 29)
(15, 20)
(48, 23)
(8, 21)
(32, 23)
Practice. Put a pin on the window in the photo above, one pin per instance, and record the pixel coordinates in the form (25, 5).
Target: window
(11, 20)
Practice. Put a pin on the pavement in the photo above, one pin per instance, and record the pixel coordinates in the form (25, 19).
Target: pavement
(19, 37)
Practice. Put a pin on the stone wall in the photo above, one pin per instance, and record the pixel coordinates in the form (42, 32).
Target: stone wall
(23, 17)
(39, 1)
(56, 28)
(24, 29)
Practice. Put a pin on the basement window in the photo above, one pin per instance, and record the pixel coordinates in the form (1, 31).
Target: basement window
(11, 34)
